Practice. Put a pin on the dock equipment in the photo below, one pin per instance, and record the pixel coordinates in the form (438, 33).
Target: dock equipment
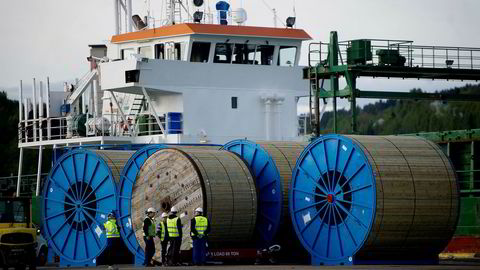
(271, 164)
(382, 58)
(373, 199)
(216, 180)
(127, 182)
(463, 148)
(81, 189)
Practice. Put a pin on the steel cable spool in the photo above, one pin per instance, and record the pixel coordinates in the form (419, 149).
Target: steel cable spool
(373, 198)
(218, 181)
(79, 193)
(272, 164)
(128, 178)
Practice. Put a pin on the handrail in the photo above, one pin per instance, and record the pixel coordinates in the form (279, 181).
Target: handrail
(418, 56)
(107, 125)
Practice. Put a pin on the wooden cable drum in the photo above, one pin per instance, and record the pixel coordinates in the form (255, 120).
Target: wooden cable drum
(271, 163)
(216, 180)
(357, 198)
(116, 160)
(417, 197)
(285, 155)
(129, 175)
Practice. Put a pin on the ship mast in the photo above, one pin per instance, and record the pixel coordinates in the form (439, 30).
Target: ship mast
(123, 7)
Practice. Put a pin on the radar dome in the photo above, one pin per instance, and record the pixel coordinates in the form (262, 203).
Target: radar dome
(240, 16)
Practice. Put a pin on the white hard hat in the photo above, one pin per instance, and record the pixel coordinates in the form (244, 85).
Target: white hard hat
(164, 214)
(151, 210)
(199, 209)
(173, 209)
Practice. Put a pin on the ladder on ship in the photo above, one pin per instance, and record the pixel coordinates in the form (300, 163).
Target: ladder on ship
(174, 11)
(314, 102)
(137, 105)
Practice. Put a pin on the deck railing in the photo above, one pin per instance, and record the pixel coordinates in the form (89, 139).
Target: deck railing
(415, 55)
(60, 128)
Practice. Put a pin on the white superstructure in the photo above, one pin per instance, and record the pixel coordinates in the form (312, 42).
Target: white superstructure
(178, 83)
(227, 81)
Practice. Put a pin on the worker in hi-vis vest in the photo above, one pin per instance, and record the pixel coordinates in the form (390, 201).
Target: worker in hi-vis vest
(149, 232)
(113, 238)
(174, 229)
(199, 229)
(163, 235)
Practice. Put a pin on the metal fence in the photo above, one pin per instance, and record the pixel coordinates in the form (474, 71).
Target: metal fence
(417, 56)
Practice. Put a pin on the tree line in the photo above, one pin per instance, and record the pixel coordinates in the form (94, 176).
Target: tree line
(410, 116)
(9, 152)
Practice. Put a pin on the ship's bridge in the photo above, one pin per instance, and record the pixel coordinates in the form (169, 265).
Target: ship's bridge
(211, 43)
(220, 78)
(200, 43)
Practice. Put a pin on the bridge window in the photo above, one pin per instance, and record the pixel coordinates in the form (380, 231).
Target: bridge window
(264, 55)
(159, 51)
(200, 52)
(223, 53)
(178, 51)
(243, 54)
(146, 51)
(286, 56)
(175, 50)
(127, 53)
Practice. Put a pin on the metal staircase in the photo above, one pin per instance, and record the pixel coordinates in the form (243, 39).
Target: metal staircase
(81, 86)
(137, 105)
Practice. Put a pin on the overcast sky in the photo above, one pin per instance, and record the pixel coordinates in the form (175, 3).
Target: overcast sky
(51, 37)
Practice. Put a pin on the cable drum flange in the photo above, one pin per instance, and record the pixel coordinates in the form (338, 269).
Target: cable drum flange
(332, 199)
(79, 193)
(128, 177)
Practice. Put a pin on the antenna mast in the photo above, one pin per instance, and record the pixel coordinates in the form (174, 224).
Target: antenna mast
(274, 17)
(274, 11)
(174, 12)
(123, 7)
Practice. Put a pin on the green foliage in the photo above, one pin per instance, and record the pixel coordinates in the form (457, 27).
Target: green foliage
(9, 152)
(410, 116)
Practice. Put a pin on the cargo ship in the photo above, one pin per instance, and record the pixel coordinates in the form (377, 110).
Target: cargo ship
(200, 110)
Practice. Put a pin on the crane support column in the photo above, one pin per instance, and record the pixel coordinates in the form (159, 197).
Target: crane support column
(333, 62)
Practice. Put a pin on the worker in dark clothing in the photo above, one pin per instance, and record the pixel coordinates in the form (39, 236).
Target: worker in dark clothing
(174, 229)
(163, 235)
(113, 238)
(200, 228)
(148, 235)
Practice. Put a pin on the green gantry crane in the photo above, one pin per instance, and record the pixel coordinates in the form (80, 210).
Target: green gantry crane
(381, 58)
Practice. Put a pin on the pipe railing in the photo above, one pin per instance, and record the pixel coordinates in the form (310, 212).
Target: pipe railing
(28, 183)
(59, 128)
(415, 55)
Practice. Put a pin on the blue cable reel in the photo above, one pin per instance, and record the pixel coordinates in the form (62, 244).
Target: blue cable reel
(332, 199)
(128, 176)
(78, 194)
(269, 187)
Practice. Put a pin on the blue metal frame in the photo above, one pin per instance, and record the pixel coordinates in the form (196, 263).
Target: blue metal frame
(332, 199)
(79, 193)
(269, 187)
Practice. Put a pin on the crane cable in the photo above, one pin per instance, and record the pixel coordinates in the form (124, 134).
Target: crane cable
(273, 11)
